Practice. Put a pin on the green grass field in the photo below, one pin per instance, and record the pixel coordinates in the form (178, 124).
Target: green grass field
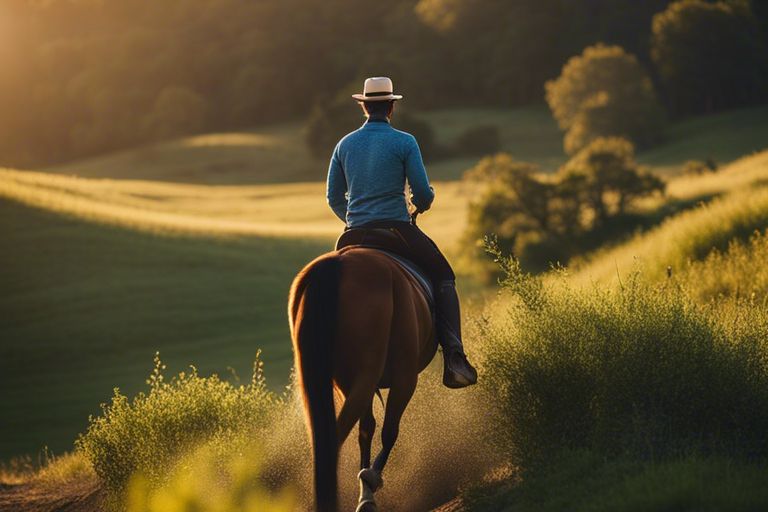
(85, 306)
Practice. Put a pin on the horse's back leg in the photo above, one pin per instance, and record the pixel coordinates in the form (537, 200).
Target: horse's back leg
(356, 402)
(370, 478)
(365, 436)
(399, 396)
(368, 483)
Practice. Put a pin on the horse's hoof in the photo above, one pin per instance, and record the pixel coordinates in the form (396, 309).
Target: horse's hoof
(367, 506)
(372, 478)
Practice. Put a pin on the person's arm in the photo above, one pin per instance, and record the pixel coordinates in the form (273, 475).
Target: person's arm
(422, 194)
(336, 187)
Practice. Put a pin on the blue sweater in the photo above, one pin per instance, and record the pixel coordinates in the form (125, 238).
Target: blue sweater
(367, 173)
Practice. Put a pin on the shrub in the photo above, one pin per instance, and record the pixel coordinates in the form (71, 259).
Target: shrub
(328, 122)
(637, 369)
(478, 141)
(425, 136)
(697, 167)
(150, 433)
(605, 92)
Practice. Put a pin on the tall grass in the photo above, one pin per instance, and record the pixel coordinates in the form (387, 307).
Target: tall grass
(686, 237)
(740, 272)
(151, 433)
(639, 369)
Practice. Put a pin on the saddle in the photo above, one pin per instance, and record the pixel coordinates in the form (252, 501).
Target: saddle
(388, 241)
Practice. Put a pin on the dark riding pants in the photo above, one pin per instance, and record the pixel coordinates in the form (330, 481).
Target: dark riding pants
(417, 247)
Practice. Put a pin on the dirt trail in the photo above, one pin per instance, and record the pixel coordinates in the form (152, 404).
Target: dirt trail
(85, 496)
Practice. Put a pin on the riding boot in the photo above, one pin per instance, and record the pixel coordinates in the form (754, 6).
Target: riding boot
(457, 372)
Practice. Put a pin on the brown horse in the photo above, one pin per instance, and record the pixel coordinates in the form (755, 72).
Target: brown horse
(359, 323)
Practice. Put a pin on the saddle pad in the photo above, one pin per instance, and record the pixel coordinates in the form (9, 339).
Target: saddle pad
(416, 273)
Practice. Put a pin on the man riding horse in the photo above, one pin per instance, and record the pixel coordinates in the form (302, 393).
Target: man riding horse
(366, 190)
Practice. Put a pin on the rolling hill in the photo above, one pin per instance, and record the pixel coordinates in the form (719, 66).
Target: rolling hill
(98, 274)
(739, 209)
(277, 154)
(86, 305)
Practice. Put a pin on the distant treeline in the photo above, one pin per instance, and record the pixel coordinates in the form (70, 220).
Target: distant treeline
(81, 77)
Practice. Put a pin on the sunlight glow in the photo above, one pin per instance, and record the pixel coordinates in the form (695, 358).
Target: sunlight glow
(232, 140)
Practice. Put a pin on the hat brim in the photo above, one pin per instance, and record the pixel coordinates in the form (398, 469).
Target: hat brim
(362, 97)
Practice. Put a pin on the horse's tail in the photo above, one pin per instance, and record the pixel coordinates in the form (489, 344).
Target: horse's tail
(313, 312)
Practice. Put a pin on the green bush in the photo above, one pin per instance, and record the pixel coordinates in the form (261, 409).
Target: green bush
(639, 369)
(328, 122)
(150, 433)
(422, 130)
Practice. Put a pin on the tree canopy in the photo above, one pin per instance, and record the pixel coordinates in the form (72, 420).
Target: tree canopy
(546, 219)
(82, 77)
(710, 55)
(605, 92)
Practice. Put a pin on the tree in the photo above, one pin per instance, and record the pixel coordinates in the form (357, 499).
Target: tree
(604, 92)
(607, 178)
(513, 205)
(548, 218)
(527, 196)
(709, 55)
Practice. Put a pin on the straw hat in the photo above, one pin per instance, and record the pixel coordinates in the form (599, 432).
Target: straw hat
(377, 88)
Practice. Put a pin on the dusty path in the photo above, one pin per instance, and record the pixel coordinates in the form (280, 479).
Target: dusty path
(85, 496)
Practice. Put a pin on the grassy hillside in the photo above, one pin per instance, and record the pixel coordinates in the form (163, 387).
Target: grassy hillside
(277, 154)
(98, 274)
(724, 137)
(294, 210)
(84, 307)
(691, 235)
